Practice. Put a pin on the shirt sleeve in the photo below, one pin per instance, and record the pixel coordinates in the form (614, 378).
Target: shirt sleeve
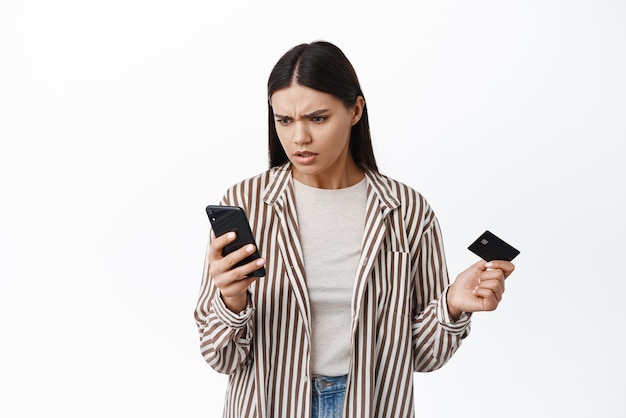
(460, 326)
(436, 337)
(225, 336)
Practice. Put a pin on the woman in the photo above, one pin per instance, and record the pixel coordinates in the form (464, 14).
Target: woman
(356, 296)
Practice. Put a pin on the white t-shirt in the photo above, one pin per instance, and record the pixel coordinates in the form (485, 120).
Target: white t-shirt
(331, 226)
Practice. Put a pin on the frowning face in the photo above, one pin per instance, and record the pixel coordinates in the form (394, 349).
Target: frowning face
(314, 130)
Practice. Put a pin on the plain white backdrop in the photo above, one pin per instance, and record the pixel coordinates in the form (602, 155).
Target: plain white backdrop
(121, 120)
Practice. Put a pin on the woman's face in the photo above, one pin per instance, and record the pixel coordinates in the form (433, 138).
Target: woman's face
(314, 130)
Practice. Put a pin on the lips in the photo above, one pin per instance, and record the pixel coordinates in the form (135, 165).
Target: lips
(304, 157)
(304, 154)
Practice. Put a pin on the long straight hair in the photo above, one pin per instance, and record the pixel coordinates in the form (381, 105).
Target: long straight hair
(321, 66)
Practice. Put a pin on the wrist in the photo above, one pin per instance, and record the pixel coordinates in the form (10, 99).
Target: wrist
(454, 312)
(236, 304)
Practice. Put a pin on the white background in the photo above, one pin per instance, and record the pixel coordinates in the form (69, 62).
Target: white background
(121, 120)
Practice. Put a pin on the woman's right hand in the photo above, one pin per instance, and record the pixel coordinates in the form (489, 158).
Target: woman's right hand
(233, 283)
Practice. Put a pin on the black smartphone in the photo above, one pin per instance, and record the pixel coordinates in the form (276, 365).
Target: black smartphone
(232, 218)
(490, 247)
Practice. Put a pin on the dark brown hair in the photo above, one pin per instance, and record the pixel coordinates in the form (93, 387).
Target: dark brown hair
(323, 67)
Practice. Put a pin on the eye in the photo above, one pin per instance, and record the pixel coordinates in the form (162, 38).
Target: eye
(283, 121)
(318, 119)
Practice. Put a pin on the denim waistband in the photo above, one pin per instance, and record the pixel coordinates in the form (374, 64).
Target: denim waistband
(329, 384)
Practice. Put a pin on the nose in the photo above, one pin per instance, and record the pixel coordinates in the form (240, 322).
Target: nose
(301, 134)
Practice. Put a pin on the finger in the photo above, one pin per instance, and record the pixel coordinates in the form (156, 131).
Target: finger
(495, 286)
(506, 266)
(239, 254)
(218, 243)
(249, 268)
(237, 287)
(235, 281)
(223, 269)
(226, 265)
(488, 300)
(469, 277)
(476, 269)
(480, 265)
(493, 274)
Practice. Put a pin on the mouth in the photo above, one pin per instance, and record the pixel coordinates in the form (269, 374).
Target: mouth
(304, 154)
(304, 157)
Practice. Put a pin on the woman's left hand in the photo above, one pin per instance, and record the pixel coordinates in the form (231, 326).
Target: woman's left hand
(478, 288)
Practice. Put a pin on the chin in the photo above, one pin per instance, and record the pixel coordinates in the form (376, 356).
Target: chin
(307, 170)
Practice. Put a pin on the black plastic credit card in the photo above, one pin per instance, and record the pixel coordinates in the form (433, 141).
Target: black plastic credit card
(489, 247)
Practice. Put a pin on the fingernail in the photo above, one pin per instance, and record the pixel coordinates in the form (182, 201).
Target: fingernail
(489, 264)
(231, 235)
(475, 289)
(260, 262)
(250, 248)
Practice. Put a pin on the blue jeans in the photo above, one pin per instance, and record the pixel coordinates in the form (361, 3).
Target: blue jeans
(328, 394)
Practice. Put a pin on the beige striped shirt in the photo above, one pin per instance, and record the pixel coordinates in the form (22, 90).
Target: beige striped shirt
(400, 320)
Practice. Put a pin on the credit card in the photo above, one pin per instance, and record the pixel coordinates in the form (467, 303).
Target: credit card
(489, 247)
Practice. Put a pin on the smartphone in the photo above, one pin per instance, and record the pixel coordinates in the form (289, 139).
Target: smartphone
(232, 218)
(490, 247)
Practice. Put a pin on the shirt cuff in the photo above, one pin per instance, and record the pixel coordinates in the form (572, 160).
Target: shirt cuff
(460, 326)
(228, 317)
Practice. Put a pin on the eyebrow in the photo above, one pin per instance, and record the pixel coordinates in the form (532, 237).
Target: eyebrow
(313, 114)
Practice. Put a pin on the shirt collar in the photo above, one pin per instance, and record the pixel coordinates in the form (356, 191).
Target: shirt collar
(281, 183)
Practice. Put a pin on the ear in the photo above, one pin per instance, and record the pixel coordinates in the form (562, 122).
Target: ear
(357, 110)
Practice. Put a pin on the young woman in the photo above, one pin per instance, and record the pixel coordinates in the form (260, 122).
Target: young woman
(356, 296)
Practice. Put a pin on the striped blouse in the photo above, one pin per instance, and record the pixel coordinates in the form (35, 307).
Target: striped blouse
(400, 320)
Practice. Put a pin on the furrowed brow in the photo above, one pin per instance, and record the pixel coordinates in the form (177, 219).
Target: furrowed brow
(316, 113)
(313, 114)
